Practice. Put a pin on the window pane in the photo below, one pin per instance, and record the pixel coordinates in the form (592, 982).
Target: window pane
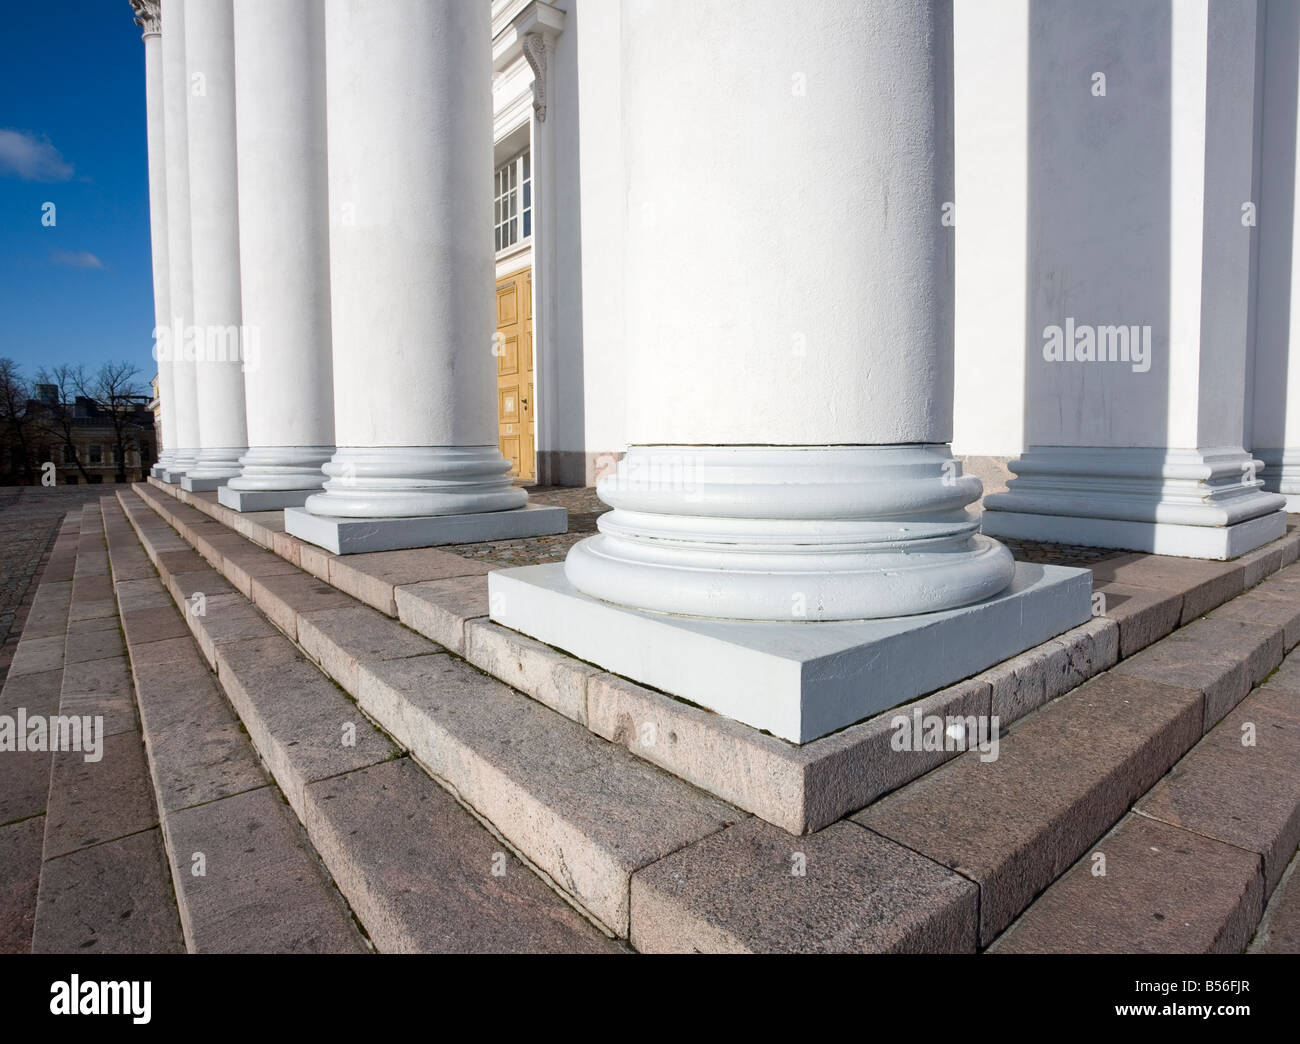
(528, 223)
(528, 194)
(527, 164)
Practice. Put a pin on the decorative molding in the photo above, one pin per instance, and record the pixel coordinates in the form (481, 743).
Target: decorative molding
(148, 15)
(534, 45)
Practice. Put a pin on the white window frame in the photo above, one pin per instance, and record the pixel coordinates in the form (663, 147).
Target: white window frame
(512, 208)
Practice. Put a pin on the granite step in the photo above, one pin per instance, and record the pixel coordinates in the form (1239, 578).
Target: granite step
(104, 885)
(1279, 928)
(32, 686)
(245, 876)
(1127, 730)
(1138, 599)
(585, 812)
(603, 825)
(1190, 869)
(420, 872)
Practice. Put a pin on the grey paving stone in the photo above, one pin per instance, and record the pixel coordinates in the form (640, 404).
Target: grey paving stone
(37, 655)
(110, 676)
(754, 888)
(547, 675)
(587, 813)
(24, 784)
(1165, 890)
(342, 639)
(153, 624)
(261, 888)
(798, 788)
(1240, 786)
(1271, 608)
(39, 693)
(1279, 929)
(372, 577)
(1203, 585)
(283, 597)
(1219, 669)
(98, 645)
(109, 898)
(425, 876)
(1143, 615)
(1063, 776)
(95, 801)
(20, 874)
(302, 725)
(439, 609)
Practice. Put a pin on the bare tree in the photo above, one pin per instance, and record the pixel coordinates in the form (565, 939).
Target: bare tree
(58, 418)
(14, 394)
(116, 392)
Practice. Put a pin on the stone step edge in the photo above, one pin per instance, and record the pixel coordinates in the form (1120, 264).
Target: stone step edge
(801, 789)
(575, 901)
(182, 882)
(1242, 915)
(67, 533)
(163, 899)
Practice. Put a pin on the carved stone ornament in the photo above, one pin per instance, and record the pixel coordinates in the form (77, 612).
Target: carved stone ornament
(148, 15)
(535, 52)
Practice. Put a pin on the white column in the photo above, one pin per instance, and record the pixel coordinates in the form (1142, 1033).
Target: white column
(283, 252)
(214, 214)
(180, 285)
(1276, 427)
(409, 114)
(148, 17)
(1141, 160)
(789, 322)
(788, 330)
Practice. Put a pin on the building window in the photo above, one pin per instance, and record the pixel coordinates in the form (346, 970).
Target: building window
(96, 453)
(69, 456)
(513, 191)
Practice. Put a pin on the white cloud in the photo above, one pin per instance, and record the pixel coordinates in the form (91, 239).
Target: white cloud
(23, 155)
(77, 258)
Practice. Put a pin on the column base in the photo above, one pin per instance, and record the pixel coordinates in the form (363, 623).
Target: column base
(1157, 538)
(1201, 503)
(1281, 474)
(349, 536)
(797, 680)
(262, 499)
(213, 469)
(173, 475)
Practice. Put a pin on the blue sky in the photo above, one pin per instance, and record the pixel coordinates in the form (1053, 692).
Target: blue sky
(72, 88)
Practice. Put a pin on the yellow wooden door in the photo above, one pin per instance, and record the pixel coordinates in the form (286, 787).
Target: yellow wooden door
(515, 372)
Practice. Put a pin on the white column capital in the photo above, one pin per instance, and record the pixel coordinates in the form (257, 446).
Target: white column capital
(148, 16)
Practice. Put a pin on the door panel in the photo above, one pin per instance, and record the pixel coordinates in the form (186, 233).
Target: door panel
(517, 430)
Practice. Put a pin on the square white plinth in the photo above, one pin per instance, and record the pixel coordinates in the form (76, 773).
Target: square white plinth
(350, 536)
(172, 476)
(798, 681)
(262, 499)
(1158, 538)
(203, 485)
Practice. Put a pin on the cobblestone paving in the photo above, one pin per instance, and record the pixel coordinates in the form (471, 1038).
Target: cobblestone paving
(29, 519)
(585, 508)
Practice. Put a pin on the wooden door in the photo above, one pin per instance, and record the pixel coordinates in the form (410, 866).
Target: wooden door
(514, 347)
